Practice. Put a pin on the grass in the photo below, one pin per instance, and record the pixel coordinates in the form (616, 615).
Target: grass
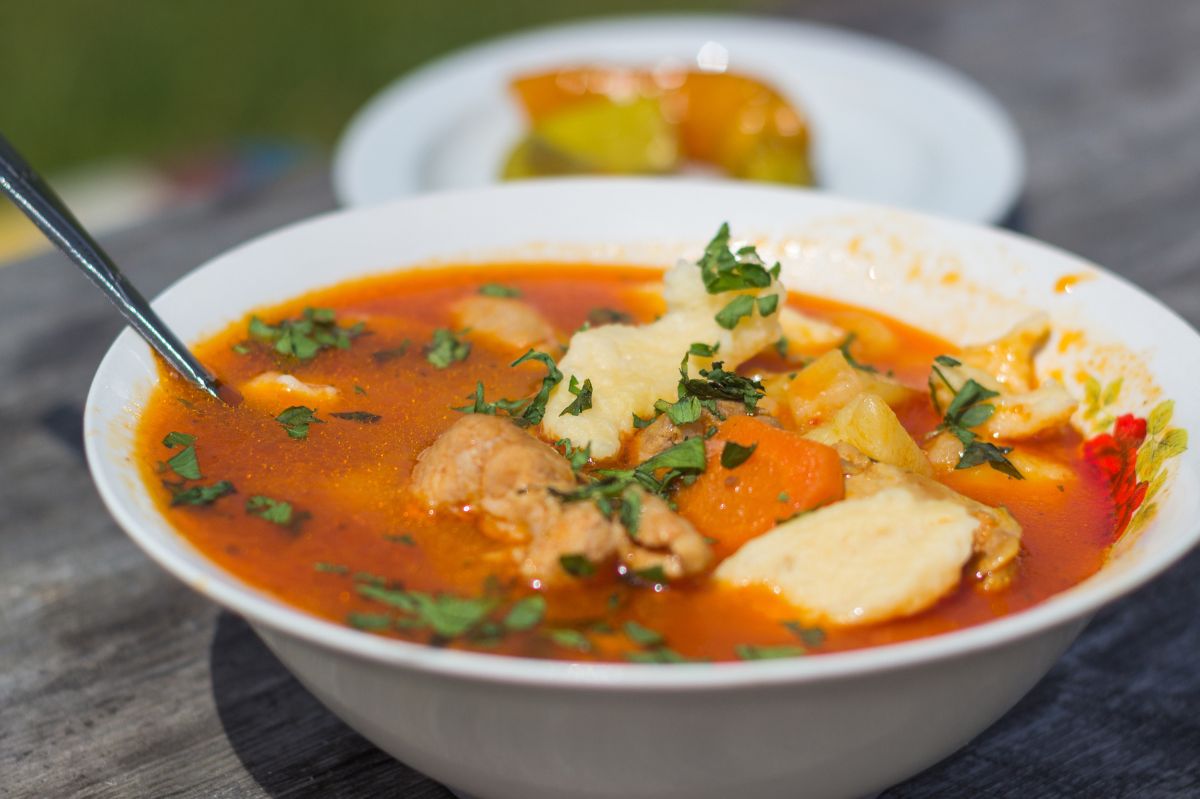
(81, 81)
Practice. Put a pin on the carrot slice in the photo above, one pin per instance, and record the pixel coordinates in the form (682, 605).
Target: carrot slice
(785, 475)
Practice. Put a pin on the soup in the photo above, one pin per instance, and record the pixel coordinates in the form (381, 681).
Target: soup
(512, 458)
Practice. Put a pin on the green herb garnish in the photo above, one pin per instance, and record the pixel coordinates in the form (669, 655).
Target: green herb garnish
(402, 538)
(642, 636)
(369, 621)
(446, 615)
(735, 454)
(598, 317)
(570, 639)
(525, 614)
(577, 565)
(357, 416)
(658, 655)
(845, 348)
(315, 330)
(383, 356)
(447, 348)
(968, 410)
(811, 636)
(723, 270)
(296, 420)
(578, 457)
(273, 510)
(498, 290)
(583, 397)
(734, 311)
(200, 495)
(754, 652)
(330, 568)
(184, 462)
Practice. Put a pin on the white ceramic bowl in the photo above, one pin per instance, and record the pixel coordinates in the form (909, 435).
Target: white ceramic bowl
(831, 725)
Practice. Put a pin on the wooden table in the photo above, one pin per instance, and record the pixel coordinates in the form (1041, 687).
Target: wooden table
(115, 680)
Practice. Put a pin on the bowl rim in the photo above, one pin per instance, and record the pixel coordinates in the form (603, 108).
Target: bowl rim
(1074, 604)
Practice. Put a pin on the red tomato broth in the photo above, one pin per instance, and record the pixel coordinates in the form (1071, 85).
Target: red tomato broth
(351, 477)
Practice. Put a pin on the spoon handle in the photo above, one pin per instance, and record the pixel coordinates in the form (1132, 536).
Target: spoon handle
(37, 200)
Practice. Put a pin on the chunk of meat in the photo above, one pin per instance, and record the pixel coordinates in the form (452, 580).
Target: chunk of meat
(1009, 359)
(863, 560)
(662, 433)
(508, 322)
(487, 465)
(997, 535)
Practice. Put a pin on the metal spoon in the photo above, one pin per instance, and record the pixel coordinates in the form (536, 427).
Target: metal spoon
(38, 201)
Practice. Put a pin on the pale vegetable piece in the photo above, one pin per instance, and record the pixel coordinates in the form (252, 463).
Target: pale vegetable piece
(511, 323)
(861, 560)
(271, 392)
(870, 426)
(827, 384)
(1017, 415)
(996, 537)
(872, 337)
(807, 333)
(632, 366)
(944, 451)
(1009, 359)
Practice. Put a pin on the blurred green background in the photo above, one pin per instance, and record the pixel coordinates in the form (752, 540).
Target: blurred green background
(83, 81)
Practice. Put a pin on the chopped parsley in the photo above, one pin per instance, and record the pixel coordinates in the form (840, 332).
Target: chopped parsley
(598, 317)
(642, 636)
(184, 462)
(735, 310)
(845, 348)
(447, 348)
(723, 270)
(357, 416)
(446, 615)
(316, 329)
(717, 384)
(402, 538)
(498, 290)
(578, 457)
(583, 397)
(525, 614)
(275, 511)
(968, 409)
(570, 639)
(296, 420)
(684, 410)
(753, 652)
(199, 495)
(330, 568)
(577, 565)
(369, 621)
(657, 655)
(781, 347)
(653, 574)
(811, 636)
(383, 356)
(525, 412)
(735, 454)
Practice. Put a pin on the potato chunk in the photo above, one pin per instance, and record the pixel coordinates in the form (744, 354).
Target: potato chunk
(862, 560)
(870, 426)
(829, 383)
(1009, 359)
(632, 366)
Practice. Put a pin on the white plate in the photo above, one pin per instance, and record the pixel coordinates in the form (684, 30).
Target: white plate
(889, 125)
